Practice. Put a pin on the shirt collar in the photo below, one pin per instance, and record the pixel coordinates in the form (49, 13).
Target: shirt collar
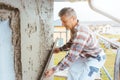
(77, 26)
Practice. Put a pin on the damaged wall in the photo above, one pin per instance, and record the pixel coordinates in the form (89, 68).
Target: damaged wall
(32, 30)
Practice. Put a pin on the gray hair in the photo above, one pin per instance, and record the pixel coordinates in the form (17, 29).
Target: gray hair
(67, 11)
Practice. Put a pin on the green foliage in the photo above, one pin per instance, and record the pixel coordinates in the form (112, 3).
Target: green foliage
(58, 78)
(109, 64)
(111, 53)
(111, 35)
(57, 58)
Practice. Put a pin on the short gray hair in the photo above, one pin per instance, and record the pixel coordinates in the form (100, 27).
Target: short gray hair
(67, 11)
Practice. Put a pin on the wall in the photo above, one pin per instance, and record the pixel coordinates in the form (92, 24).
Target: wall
(34, 35)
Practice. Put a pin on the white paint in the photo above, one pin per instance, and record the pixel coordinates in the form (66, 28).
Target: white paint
(6, 52)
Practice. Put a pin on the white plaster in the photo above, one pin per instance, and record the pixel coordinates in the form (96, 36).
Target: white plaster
(6, 52)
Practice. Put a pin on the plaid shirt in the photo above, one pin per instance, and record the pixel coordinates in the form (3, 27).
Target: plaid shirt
(82, 43)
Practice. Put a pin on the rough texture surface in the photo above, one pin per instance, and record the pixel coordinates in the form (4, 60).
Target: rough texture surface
(32, 30)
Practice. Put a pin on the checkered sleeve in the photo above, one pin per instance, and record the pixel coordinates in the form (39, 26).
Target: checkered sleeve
(75, 50)
(67, 46)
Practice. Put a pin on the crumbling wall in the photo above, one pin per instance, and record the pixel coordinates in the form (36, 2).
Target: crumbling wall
(32, 30)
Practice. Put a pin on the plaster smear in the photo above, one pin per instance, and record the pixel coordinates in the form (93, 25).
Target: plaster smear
(6, 52)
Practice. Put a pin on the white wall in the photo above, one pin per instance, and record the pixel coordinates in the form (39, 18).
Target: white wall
(32, 31)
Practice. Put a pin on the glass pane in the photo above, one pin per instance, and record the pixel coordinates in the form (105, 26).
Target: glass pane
(6, 52)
